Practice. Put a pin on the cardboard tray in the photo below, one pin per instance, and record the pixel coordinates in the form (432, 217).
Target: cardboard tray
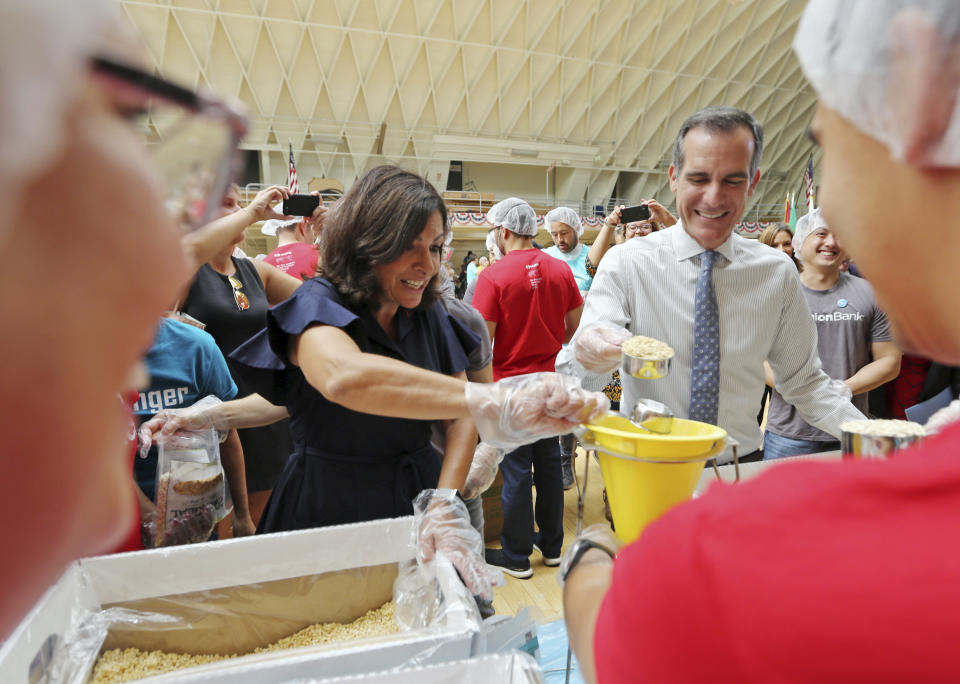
(507, 668)
(234, 595)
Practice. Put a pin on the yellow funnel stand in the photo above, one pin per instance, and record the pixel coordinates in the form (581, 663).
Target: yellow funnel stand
(646, 473)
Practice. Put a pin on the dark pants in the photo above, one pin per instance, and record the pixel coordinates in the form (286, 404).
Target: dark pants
(517, 538)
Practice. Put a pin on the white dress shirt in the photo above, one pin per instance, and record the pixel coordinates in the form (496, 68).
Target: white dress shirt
(647, 285)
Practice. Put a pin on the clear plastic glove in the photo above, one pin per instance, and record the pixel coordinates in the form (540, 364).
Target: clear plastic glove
(597, 346)
(201, 416)
(483, 470)
(948, 415)
(600, 534)
(442, 528)
(524, 408)
(841, 388)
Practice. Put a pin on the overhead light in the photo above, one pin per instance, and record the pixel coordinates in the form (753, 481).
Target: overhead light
(524, 153)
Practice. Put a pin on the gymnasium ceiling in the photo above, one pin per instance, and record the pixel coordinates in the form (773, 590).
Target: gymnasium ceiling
(597, 86)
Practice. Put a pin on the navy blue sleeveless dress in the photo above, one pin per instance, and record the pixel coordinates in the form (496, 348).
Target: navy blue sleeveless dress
(348, 466)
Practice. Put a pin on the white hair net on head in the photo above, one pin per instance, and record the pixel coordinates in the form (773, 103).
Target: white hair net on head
(890, 68)
(565, 215)
(806, 224)
(515, 215)
(44, 46)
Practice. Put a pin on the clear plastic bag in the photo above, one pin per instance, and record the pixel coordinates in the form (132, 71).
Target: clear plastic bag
(192, 496)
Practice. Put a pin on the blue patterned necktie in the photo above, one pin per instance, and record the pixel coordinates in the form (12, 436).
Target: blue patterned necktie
(705, 379)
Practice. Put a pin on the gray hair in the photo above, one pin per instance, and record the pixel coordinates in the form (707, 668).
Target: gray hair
(721, 119)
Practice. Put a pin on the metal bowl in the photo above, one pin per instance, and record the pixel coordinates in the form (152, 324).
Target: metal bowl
(645, 369)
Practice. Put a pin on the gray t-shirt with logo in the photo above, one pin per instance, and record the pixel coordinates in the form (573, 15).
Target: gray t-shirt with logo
(848, 322)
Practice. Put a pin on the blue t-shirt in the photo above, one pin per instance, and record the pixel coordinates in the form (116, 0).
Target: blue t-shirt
(577, 261)
(185, 365)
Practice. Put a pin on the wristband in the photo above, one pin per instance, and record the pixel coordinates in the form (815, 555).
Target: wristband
(581, 546)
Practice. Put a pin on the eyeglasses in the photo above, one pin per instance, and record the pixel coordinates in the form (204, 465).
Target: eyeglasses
(243, 302)
(641, 227)
(194, 138)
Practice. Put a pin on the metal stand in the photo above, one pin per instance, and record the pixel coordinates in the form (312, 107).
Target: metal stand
(736, 465)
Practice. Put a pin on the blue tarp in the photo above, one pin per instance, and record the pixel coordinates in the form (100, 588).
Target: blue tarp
(553, 653)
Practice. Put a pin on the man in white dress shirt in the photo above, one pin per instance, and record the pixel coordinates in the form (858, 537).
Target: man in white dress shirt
(648, 287)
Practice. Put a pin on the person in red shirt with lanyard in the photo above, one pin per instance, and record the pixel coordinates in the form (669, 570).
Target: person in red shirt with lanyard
(859, 577)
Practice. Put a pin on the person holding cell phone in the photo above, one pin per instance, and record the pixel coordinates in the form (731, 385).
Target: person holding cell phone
(230, 296)
(297, 253)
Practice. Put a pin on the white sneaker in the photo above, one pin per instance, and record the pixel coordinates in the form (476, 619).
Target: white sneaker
(549, 561)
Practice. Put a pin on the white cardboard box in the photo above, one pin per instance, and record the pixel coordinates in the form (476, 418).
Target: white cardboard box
(246, 591)
(751, 470)
(504, 668)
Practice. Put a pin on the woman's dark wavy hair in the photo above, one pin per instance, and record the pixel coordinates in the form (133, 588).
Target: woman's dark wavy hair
(374, 223)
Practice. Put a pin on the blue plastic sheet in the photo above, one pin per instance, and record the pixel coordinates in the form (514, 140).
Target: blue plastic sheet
(553, 654)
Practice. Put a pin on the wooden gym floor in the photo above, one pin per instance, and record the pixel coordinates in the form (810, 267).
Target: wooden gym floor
(542, 591)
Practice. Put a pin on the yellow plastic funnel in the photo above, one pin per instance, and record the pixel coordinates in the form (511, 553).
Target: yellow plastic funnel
(646, 473)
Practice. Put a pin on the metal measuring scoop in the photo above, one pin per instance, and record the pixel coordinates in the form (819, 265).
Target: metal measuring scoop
(652, 415)
(648, 414)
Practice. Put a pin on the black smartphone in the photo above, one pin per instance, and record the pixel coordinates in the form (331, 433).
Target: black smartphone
(300, 205)
(641, 212)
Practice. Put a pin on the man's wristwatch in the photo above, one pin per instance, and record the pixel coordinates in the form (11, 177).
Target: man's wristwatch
(580, 547)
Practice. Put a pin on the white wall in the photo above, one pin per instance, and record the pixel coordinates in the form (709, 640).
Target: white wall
(507, 180)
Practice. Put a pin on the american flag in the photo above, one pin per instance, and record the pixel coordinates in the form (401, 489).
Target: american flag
(808, 182)
(292, 174)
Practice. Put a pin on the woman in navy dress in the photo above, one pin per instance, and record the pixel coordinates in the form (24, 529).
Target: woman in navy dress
(365, 361)
(322, 357)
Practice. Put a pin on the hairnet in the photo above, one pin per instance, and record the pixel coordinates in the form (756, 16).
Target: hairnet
(515, 215)
(888, 67)
(565, 215)
(44, 45)
(806, 224)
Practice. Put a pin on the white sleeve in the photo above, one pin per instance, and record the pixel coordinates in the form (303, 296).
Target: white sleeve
(608, 302)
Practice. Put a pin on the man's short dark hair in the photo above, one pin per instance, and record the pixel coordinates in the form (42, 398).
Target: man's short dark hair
(720, 119)
(377, 220)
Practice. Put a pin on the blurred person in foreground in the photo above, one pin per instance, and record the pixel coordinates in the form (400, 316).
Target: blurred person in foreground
(72, 339)
(859, 570)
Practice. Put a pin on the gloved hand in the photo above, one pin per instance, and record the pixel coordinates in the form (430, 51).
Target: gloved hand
(841, 388)
(947, 415)
(600, 534)
(597, 346)
(524, 408)
(201, 416)
(483, 470)
(442, 528)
